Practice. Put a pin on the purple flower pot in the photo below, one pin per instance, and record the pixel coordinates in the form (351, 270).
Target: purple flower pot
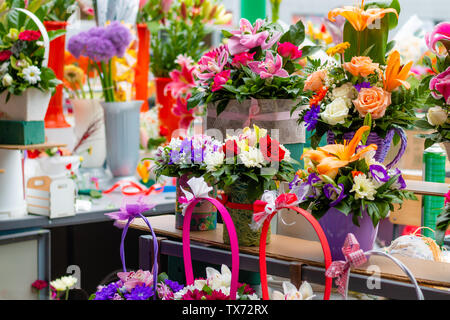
(336, 227)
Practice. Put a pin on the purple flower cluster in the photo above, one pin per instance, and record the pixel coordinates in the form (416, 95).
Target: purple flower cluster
(100, 44)
(334, 193)
(173, 285)
(311, 117)
(108, 292)
(141, 292)
(363, 85)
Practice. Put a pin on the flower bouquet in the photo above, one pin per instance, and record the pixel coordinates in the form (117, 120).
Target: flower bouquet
(439, 85)
(25, 77)
(443, 221)
(347, 190)
(188, 157)
(216, 286)
(252, 79)
(247, 165)
(362, 89)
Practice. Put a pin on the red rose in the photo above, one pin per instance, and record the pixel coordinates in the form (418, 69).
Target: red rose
(29, 35)
(230, 148)
(271, 149)
(39, 284)
(5, 55)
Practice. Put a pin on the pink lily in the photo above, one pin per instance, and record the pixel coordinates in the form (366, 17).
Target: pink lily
(242, 59)
(212, 63)
(182, 81)
(180, 109)
(248, 37)
(270, 67)
(220, 79)
(441, 32)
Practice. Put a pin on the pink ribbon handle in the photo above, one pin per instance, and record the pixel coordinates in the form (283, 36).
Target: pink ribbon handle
(233, 243)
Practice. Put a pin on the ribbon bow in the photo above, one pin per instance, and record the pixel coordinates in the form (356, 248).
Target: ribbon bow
(354, 257)
(199, 188)
(270, 202)
(130, 211)
(252, 112)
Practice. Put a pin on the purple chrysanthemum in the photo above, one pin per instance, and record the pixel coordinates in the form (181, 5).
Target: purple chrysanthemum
(120, 36)
(108, 292)
(174, 285)
(311, 117)
(141, 292)
(363, 85)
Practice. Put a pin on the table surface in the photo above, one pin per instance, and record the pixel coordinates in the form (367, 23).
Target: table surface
(165, 204)
(43, 146)
(428, 273)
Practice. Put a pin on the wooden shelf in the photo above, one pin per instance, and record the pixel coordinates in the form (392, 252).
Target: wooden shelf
(427, 188)
(44, 146)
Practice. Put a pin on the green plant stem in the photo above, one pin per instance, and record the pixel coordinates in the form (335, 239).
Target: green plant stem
(275, 11)
(91, 93)
(67, 294)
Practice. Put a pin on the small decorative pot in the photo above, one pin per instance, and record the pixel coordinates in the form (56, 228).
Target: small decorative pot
(242, 218)
(337, 226)
(204, 215)
(122, 136)
(30, 106)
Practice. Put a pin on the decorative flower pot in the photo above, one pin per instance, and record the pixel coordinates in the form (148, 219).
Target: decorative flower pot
(55, 115)
(383, 144)
(122, 136)
(165, 104)
(30, 106)
(90, 132)
(12, 201)
(337, 225)
(270, 114)
(242, 218)
(142, 67)
(204, 215)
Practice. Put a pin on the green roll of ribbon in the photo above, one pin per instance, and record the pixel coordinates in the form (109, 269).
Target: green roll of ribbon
(253, 10)
(434, 159)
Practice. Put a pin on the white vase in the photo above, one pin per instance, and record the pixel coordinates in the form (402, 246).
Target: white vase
(89, 116)
(30, 106)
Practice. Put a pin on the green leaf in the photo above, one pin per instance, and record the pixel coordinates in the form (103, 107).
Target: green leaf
(295, 34)
(162, 276)
(310, 50)
(95, 194)
(227, 34)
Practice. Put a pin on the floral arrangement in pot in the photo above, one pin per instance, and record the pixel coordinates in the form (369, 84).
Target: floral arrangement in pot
(252, 79)
(248, 164)
(341, 96)
(184, 158)
(104, 46)
(438, 83)
(348, 190)
(26, 83)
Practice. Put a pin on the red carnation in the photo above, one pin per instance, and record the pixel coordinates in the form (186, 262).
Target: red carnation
(29, 35)
(230, 148)
(39, 284)
(5, 55)
(271, 149)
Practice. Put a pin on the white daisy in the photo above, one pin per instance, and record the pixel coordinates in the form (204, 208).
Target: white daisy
(364, 188)
(32, 74)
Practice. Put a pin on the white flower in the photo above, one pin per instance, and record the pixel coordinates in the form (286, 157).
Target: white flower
(363, 188)
(336, 112)
(217, 280)
(347, 92)
(214, 160)
(32, 74)
(7, 80)
(305, 292)
(252, 158)
(437, 116)
(287, 153)
(370, 159)
(4, 67)
(64, 283)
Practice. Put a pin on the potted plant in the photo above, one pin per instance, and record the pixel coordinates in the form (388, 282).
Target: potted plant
(253, 80)
(26, 82)
(101, 45)
(348, 190)
(184, 158)
(362, 83)
(438, 102)
(248, 164)
(177, 27)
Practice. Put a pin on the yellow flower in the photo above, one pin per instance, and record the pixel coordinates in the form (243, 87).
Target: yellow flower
(359, 18)
(338, 49)
(73, 74)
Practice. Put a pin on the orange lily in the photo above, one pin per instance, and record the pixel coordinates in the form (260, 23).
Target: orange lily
(143, 171)
(331, 158)
(396, 74)
(358, 17)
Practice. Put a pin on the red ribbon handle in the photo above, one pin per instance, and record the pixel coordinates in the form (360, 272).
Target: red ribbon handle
(323, 241)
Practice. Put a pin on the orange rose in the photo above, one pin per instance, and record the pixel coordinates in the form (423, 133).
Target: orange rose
(315, 80)
(361, 66)
(374, 101)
